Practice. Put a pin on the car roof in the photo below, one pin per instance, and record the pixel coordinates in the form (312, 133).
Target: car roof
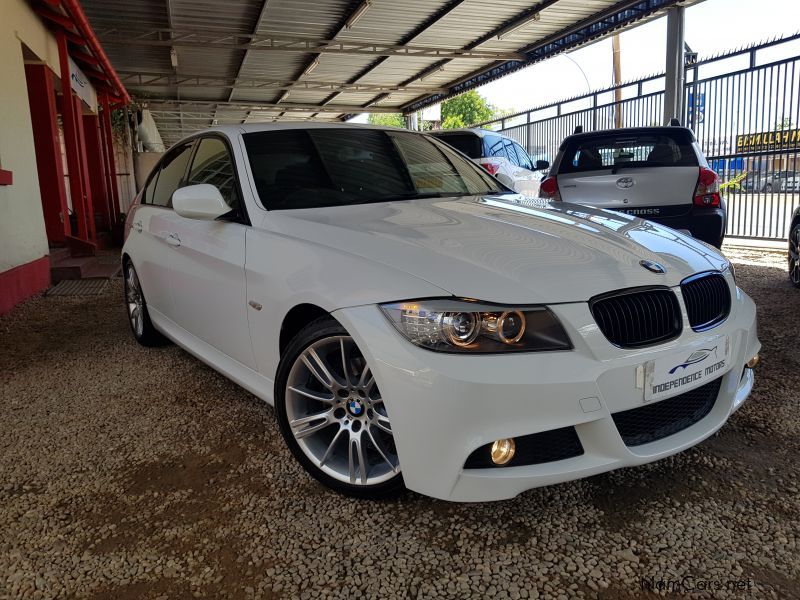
(626, 131)
(232, 131)
(474, 130)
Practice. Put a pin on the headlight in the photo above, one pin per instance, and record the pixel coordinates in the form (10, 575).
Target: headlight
(732, 269)
(471, 327)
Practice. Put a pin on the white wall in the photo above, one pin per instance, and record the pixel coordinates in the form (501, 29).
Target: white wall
(22, 232)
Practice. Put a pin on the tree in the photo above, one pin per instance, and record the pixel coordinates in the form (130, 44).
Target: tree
(470, 108)
(453, 122)
(386, 119)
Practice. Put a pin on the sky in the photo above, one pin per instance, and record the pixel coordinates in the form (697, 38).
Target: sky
(711, 27)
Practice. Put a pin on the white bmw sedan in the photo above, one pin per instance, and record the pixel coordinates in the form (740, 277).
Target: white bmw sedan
(416, 324)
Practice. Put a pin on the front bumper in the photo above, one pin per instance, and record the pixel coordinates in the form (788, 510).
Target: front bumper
(444, 406)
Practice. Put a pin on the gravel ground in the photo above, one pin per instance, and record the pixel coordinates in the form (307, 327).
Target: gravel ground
(136, 473)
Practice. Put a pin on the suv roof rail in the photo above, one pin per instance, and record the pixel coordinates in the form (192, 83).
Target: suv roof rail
(578, 129)
(673, 122)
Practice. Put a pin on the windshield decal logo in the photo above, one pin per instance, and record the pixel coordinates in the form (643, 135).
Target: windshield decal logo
(625, 183)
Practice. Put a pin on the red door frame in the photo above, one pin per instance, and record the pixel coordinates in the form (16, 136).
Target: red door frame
(80, 194)
(42, 101)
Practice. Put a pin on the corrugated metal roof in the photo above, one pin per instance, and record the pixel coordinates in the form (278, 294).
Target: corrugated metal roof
(221, 40)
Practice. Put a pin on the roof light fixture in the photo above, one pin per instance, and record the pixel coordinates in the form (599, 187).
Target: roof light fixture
(313, 65)
(517, 25)
(357, 14)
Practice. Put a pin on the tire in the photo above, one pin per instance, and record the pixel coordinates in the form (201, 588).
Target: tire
(331, 414)
(768, 188)
(138, 315)
(794, 255)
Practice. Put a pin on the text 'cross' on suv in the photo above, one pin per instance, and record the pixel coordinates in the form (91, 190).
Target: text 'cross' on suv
(500, 156)
(656, 173)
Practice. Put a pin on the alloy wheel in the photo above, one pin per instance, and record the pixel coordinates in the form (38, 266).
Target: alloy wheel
(135, 301)
(337, 416)
(794, 255)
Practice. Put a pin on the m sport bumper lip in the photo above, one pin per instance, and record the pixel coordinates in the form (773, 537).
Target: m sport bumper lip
(443, 407)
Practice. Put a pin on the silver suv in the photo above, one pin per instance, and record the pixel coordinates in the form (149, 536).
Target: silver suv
(657, 173)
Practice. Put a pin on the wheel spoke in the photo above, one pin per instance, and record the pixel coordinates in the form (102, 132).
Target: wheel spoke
(380, 451)
(357, 447)
(317, 367)
(331, 446)
(382, 423)
(303, 391)
(345, 371)
(324, 418)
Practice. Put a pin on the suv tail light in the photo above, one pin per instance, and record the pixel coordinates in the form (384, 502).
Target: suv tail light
(491, 167)
(549, 189)
(706, 193)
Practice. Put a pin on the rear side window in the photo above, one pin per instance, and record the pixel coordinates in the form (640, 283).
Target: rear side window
(468, 143)
(173, 168)
(596, 153)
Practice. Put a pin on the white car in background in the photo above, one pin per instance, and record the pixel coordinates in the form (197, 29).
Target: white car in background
(656, 173)
(500, 156)
(416, 324)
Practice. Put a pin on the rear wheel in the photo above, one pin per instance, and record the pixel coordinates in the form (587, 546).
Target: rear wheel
(138, 315)
(794, 255)
(332, 415)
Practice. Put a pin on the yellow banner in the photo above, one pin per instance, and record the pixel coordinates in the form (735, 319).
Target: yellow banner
(768, 140)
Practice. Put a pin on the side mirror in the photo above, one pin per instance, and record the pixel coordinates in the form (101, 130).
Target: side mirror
(201, 201)
(541, 165)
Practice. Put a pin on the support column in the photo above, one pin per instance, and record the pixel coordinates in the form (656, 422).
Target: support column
(42, 100)
(674, 79)
(97, 171)
(108, 152)
(83, 162)
(78, 187)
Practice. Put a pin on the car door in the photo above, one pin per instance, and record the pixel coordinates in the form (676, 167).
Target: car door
(151, 223)
(207, 259)
(526, 179)
(494, 147)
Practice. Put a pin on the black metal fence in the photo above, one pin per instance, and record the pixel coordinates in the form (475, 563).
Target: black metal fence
(744, 107)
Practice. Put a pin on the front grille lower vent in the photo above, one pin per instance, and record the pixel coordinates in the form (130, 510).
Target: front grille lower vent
(661, 419)
(708, 300)
(638, 317)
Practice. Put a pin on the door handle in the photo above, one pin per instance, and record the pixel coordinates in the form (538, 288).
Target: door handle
(137, 226)
(173, 240)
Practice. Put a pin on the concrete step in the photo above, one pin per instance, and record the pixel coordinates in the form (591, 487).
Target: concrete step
(82, 267)
(57, 254)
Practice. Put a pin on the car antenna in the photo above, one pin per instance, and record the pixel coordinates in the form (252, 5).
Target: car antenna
(673, 122)
(578, 129)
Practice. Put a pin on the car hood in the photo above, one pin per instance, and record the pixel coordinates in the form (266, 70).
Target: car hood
(504, 249)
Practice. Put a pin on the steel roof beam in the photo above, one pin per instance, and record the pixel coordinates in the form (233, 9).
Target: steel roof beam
(254, 106)
(239, 41)
(617, 16)
(144, 79)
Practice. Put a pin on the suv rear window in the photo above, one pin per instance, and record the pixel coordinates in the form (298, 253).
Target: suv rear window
(596, 153)
(468, 143)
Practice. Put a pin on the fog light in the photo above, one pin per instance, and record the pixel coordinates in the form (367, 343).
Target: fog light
(751, 364)
(503, 451)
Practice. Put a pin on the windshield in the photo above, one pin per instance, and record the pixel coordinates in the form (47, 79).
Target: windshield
(615, 151)
(310, 168)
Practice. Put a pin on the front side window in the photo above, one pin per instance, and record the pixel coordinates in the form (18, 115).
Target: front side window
(309, 168)
(597, 153)
(173, 168)
(213, 164)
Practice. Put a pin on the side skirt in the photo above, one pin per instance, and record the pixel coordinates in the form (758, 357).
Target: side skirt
(251, 380)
